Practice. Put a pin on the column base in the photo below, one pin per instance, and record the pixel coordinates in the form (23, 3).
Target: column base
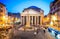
(27, 25)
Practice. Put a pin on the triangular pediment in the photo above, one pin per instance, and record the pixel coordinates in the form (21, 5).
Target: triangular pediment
(30, 12)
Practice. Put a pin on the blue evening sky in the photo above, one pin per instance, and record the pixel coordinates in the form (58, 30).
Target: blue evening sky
(19, 5)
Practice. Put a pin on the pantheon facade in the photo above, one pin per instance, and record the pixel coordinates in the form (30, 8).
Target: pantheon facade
(32, 16)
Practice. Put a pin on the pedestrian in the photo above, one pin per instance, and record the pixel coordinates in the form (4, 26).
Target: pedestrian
(38, 30)
(44, 31)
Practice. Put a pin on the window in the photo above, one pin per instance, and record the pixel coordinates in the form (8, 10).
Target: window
(1, 6)
(1, 10)
(58, 5)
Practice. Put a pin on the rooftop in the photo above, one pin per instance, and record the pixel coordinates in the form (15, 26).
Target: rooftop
(14, 14)
(33, 8)
(2, 4)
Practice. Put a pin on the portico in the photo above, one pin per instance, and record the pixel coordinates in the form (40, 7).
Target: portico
(31, 17)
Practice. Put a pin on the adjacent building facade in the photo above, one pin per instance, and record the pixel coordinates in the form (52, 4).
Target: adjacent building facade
(55, 11)
(3, 13)
(13, 17)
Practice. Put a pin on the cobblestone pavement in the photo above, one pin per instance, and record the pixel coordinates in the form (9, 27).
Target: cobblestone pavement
(30, 35)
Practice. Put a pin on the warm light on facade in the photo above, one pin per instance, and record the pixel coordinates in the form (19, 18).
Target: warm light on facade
(3, 17)
(54, 18)
(51, 23)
